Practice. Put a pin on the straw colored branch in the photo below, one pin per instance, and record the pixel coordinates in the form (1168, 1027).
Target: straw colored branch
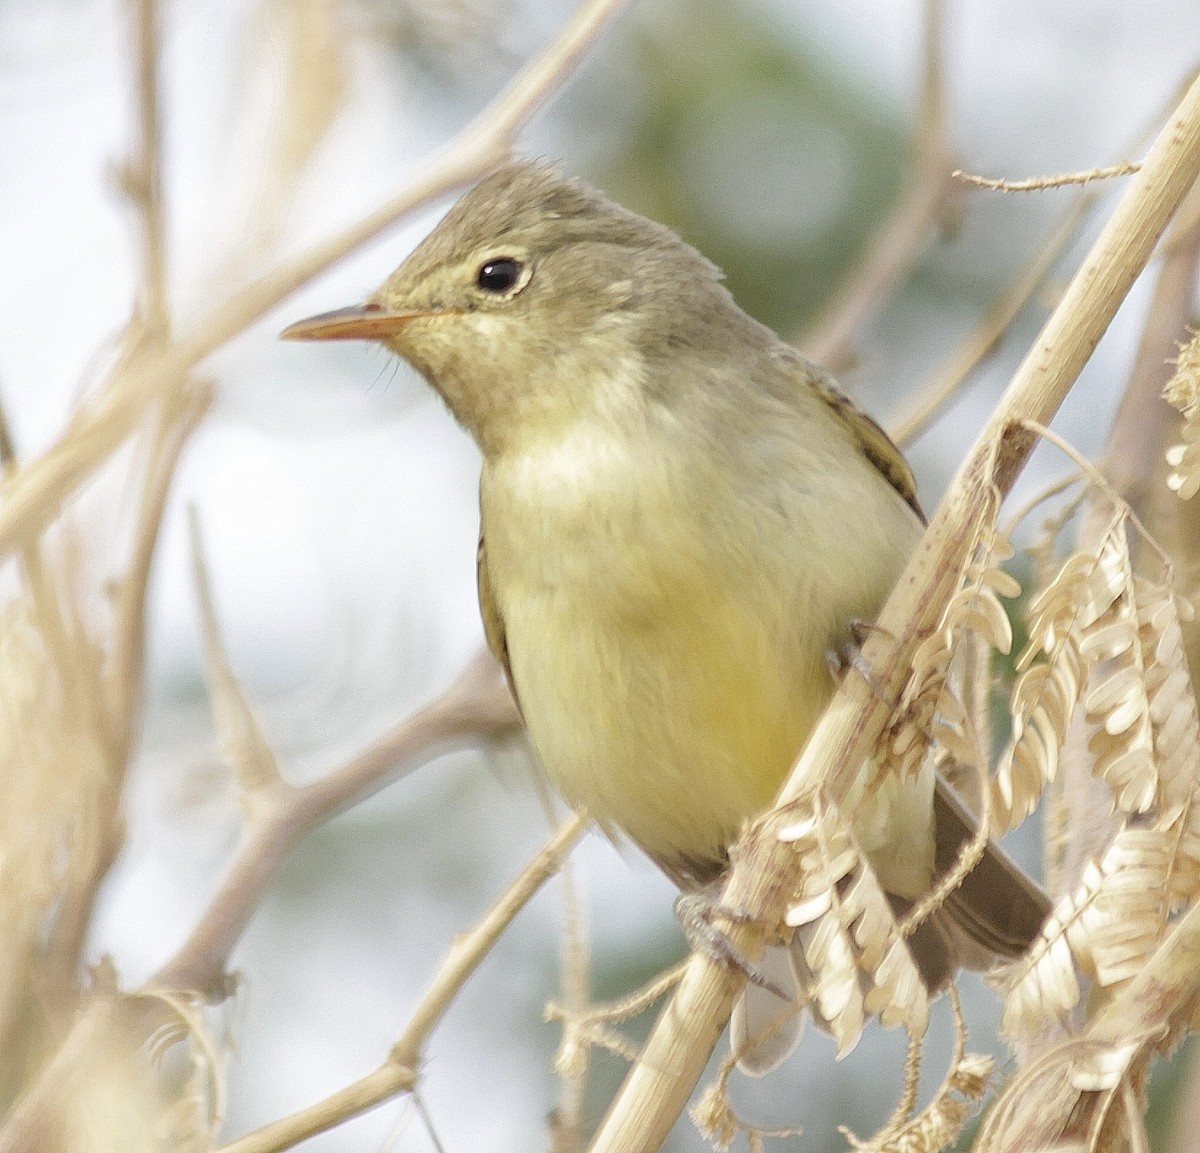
(659, 1086)
(31, 498)
(27, 1128)
(476, 704)
(74, 650)
(143, 172)
(566, 1120)
(1133, 458)
(171, 432)
(118, 697)
(925, 204)
(1040, 183)
(242, 739)
(571, 1062)
(1144, 421)
(399, 1073)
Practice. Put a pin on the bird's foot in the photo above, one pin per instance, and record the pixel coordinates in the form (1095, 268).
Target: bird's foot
(696, 913)
(848, 656)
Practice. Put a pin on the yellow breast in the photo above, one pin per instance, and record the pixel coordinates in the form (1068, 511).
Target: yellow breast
(667, 680)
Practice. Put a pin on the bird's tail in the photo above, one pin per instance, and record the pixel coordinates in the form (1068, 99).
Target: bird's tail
(998, 909)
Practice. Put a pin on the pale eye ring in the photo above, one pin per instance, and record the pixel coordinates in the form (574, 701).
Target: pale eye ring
(500, 275)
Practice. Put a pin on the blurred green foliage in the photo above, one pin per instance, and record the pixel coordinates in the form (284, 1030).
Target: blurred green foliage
(746, 142)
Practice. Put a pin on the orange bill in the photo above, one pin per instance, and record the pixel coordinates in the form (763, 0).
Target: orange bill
(359, 322)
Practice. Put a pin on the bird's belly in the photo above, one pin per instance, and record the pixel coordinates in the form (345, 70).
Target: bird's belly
(668, 635)
(674, 726)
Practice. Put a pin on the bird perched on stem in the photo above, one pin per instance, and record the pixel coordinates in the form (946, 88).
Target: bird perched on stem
(681, 517)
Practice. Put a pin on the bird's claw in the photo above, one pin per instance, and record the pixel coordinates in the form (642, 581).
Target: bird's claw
(695, 912)
(848, 655)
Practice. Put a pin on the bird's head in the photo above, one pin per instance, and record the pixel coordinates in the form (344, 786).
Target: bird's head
(531, 297)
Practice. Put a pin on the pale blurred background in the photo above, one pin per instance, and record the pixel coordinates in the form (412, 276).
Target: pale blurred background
(338, 497)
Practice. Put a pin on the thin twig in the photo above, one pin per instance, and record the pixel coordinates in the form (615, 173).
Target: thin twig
(170, 435)
(566, 1119)
(144, 171)
(30, 499)
(399, 1072)
(1039, 183)
(658, 1087)
(986, 339)
(1133, 457)
(477, 704)
(238, 730)
(365, 1094)
(926, 201)
(431, 1131)
(1113, 503)
(567, 1122)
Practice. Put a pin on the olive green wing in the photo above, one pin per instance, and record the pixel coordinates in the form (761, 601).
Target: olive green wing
(493, 621)
(876, 445)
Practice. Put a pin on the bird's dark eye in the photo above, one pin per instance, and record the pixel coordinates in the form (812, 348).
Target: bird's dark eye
(499, 274)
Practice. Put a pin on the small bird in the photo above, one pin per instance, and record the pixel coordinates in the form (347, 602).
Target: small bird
(681, 519)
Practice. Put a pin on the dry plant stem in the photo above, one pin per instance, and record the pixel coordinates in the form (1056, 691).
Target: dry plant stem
(1148, 1011)
(1040, 183)
(1079, 806)
(658, 1087)
(399, 1072)
(174, 421)
(566, 1118)
(367, 1093)
(478, 703)
(172, 430)
(567, 1124)
(890, 256)
(143, 186)
(31, 498)
(144, 172)
(242, 740)
(122, 689)
(25, 1128)
(1139, 435)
